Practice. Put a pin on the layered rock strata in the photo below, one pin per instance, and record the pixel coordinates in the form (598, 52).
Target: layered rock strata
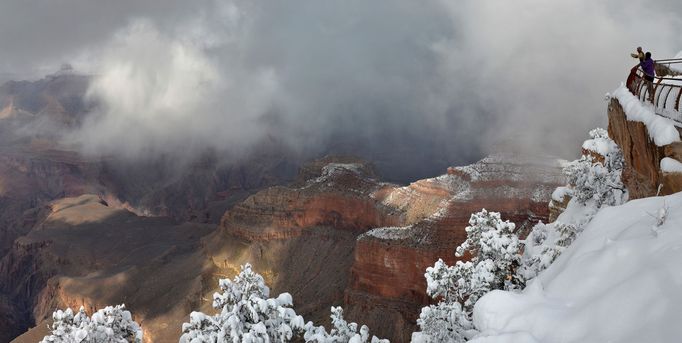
(387, 286)
(384, 235)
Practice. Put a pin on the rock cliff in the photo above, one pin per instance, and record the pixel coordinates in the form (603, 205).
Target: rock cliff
(642, 173)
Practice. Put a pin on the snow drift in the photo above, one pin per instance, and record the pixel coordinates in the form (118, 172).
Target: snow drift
(618, 282)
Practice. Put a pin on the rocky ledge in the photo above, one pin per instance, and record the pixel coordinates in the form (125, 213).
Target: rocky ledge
(642, 174)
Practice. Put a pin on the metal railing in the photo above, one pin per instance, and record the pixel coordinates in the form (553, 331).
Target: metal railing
(667, 87)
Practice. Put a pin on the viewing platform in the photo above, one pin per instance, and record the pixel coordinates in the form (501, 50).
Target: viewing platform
(667, 88)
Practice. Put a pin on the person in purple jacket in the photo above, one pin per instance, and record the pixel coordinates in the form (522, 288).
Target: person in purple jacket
(648, 67)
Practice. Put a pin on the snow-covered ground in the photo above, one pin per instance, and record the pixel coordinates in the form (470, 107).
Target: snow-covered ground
(620, 281)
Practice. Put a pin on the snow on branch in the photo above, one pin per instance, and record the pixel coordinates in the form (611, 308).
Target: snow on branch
(494, 248)
(247, 314)
(112, 324)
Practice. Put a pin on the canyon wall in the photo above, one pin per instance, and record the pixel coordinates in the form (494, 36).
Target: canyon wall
(387, 287)
(336, 236)
(389, 234)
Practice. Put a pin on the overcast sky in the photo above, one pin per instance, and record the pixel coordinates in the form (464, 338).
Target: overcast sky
(450, 79)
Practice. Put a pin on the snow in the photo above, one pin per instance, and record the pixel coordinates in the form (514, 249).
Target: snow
(333, 168)
(670, 165)
(246, 314)
(662, 130)
(389, 233)
(513, 167)
(559, 193)
(110, 324)
(600, 145)
(618, 282)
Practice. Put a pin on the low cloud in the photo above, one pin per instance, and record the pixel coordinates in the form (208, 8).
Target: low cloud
(412, 85)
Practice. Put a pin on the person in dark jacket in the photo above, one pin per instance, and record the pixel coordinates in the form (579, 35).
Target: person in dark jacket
(649, 72)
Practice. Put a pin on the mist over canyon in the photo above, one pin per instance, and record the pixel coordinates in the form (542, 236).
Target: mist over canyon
(412, 86)
(149, 149)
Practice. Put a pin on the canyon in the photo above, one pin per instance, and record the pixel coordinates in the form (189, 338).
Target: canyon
(89, 231)
(336, 236)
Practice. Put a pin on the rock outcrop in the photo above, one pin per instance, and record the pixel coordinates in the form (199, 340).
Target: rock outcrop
(642, 173)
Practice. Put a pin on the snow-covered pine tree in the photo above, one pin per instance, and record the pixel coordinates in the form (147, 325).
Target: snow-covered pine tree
(112, 324)
(247, 314)
(494, 249)
(342, 331)
(592, 179)
(443, 322)
(593, 182)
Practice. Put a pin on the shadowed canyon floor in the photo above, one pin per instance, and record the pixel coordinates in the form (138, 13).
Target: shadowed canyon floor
(85, 253)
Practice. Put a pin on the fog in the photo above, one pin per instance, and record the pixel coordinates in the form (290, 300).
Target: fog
(413, 85)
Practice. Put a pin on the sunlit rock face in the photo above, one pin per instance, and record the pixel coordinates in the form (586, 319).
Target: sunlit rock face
(301, 237)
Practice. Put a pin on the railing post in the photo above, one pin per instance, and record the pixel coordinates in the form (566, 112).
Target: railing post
(655, 102)
(665, 101)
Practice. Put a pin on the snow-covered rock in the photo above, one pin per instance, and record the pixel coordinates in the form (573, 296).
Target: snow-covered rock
(670, 165)
(560, 193)
(618, 282)
(662, 130)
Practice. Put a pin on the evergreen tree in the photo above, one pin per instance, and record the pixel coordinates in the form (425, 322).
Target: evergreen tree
(494, 249)
(112, 324)
(248, 315)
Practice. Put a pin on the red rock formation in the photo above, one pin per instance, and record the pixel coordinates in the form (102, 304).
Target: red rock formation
(302, 237)
(387, 287)
(642, 175)
(339, 198)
